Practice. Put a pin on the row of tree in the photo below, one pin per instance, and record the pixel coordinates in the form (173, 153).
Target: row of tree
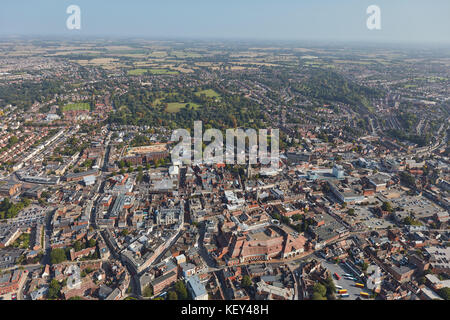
(9, 210)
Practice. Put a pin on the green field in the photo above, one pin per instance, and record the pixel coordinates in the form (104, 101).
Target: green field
(311, 63)
(158, 54)
(76, 106)
(139, 72)
(162, 71)
(185, 54)
(209, 93)
(174, 107)
(136, 72)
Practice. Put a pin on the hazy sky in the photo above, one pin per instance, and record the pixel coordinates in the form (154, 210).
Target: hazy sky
(343, 20)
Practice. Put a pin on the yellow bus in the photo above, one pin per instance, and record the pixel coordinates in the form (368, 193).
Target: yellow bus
(342, 291)
(359, 285)
(364, 294)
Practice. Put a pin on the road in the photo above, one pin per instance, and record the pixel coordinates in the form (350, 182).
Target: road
(203, 252)
(48, 233)
(158, 259)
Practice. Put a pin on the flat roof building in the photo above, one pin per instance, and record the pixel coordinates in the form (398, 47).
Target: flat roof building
(196, 288)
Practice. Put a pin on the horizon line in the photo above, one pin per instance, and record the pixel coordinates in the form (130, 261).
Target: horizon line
(321, 41)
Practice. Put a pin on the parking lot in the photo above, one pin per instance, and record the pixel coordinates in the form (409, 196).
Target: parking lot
(418, 205)
(349, 285)
(28, 217)
(370, 220)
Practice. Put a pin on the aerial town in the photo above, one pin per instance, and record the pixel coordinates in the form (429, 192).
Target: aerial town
(93, 207)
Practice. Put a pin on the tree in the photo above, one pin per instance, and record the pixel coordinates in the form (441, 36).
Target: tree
(411, 221)
(172, 295)
(92, 243)
(387, 206)
(77, 245)
(181, 290)
(407, 179)
(10, 210)
(58, 255)
(331, 287)
(365, 265)
(246, 281)
(148, 291)
(317, 296)
(139, 176)
(320, 289)
(12, 141)
(53, 289)
(444, 293)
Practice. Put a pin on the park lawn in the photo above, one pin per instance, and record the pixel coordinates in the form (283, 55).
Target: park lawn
(157, 102)
(162, 71)
(353, 62)
(185, 54)
(136, 72)
(175, 107)
(158, 54)
(76, 106)
(165, 94)
(23, 241)
(139, 72)
(210, 93)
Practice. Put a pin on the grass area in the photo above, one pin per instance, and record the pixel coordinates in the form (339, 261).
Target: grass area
(165, 94)
(315, 63)
(23, 241)
(76, 106)
(185, 54)
(158, 54)
(209, 93)
(175, 107)
(136, 72)
(162, 71)
(139, 72)
(42, 235)
(353, 62)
